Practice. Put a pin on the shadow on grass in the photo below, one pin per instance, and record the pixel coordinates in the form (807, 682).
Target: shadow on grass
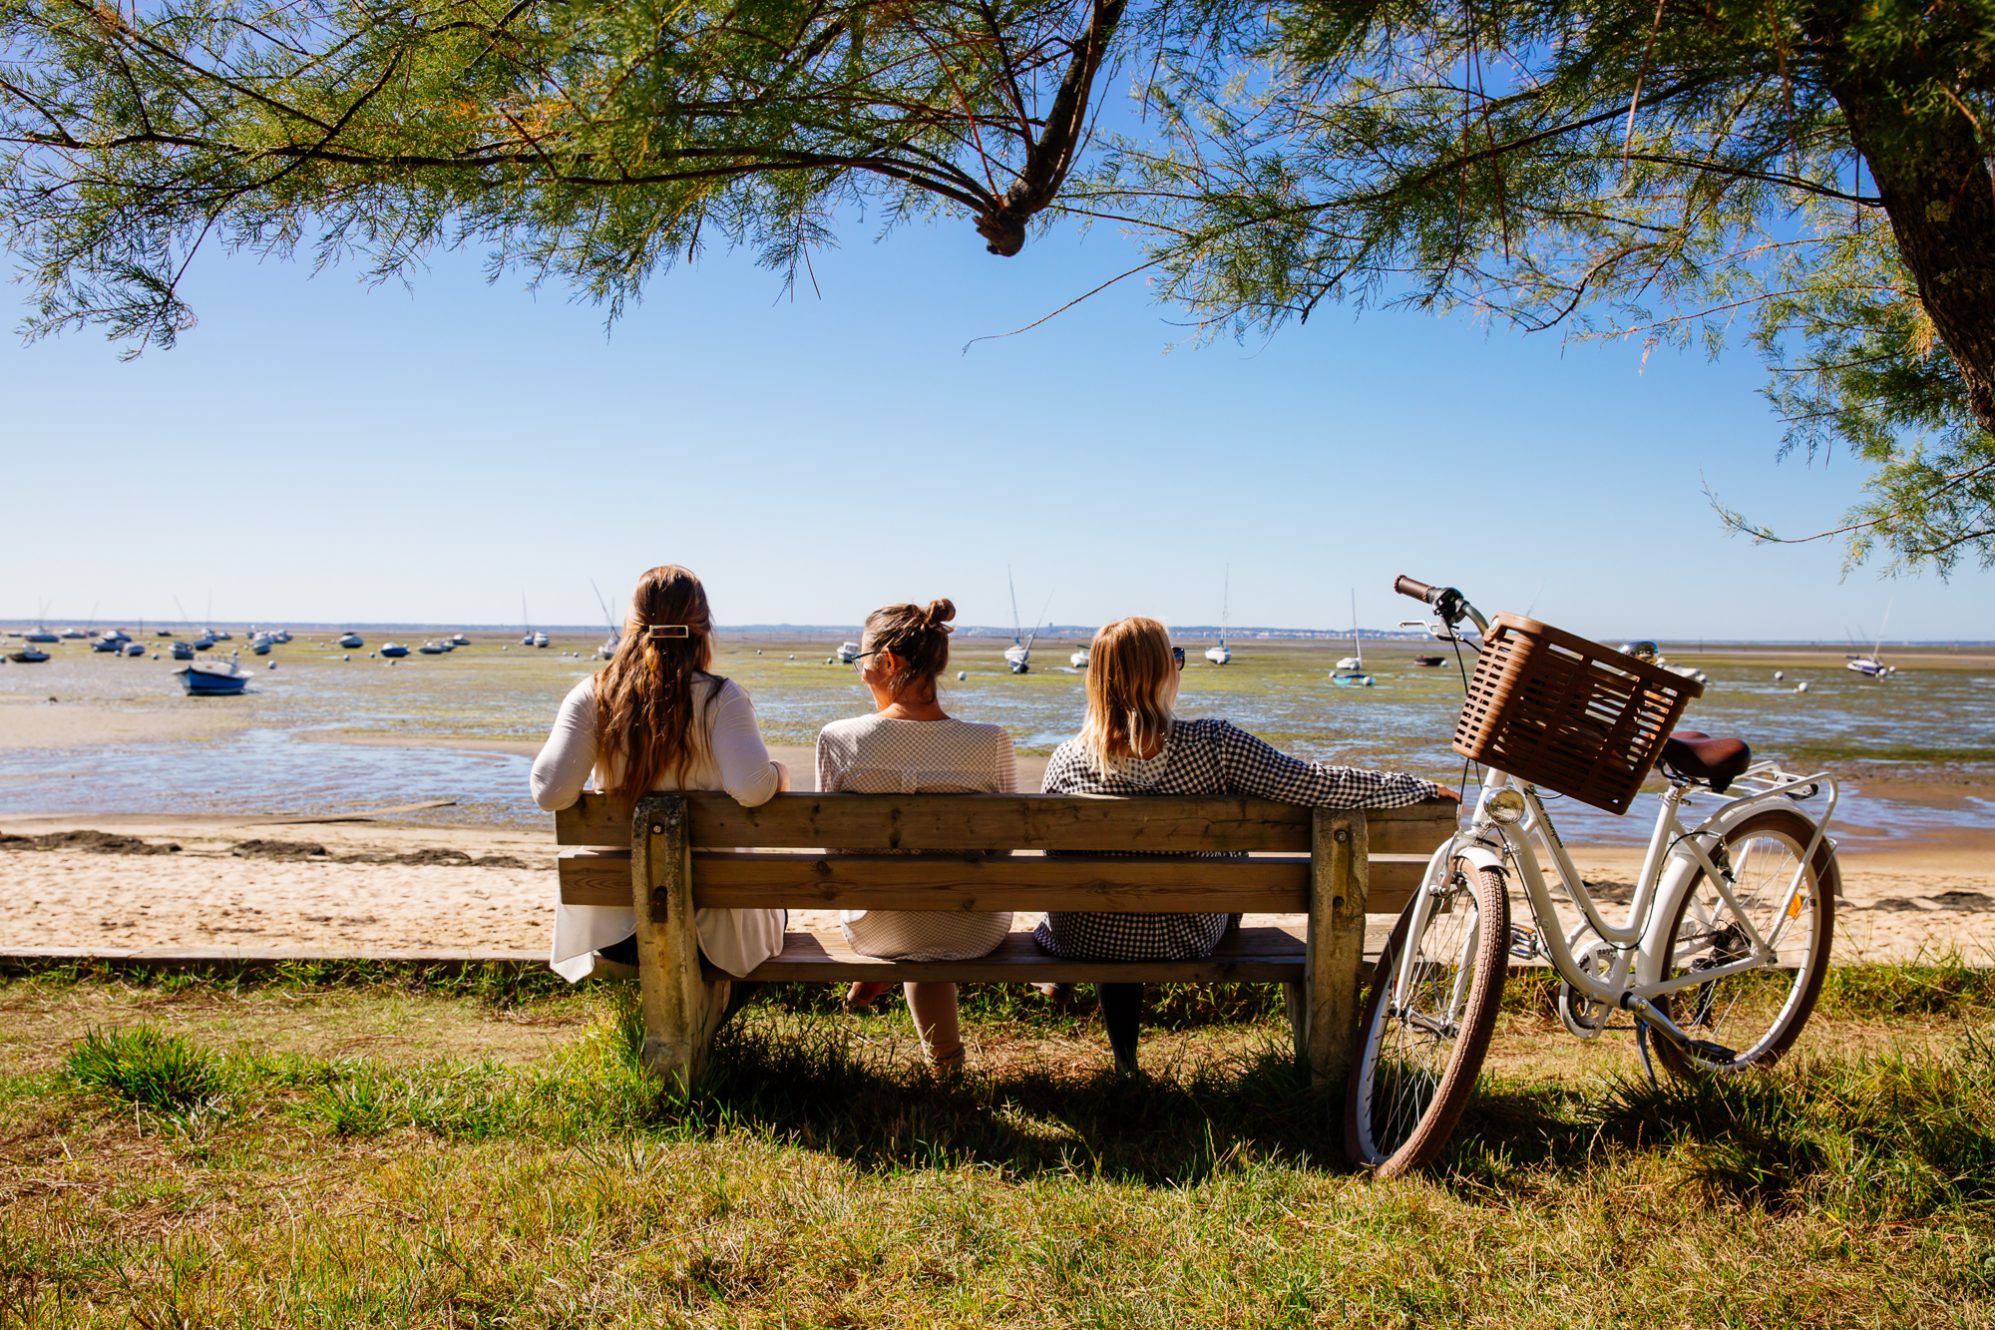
(818, 1083)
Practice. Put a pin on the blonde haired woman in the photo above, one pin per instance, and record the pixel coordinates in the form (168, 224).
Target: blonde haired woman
(1131, 743)
(909, 745)
(656, 717)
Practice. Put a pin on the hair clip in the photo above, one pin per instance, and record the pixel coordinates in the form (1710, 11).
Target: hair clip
(657, 631)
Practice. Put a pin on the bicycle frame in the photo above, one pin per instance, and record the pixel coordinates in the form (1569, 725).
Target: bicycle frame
(1668, 868)
(1674, 856)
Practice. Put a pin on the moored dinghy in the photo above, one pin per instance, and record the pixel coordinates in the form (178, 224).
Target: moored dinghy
(1350, 671)
(212, 678)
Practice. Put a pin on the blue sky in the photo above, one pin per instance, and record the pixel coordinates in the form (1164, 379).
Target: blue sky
(319, 451)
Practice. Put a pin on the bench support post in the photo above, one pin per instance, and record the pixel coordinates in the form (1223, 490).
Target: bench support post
(681, 1009)
(1329, 1006)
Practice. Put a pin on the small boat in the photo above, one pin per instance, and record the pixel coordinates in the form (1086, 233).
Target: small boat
(1079, 660)
(108, 643)
(260, 645)
(393, 650)
(182, 651)
(538, 640)
(350, 641)
(1350, 671)
(432, 649)
(40, 635)
(1223, 654)
(204, 640)
(1870, 667)
(847, 653)
(1643, 650)
(1429, 662)
(134, 648)
(459, 640)
(73, 634)
(213, 678)
(27, 656)
(225, 637)
(1018, 656)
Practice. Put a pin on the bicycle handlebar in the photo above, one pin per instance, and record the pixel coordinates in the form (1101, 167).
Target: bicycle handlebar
(1406, 586)
(1449, 604)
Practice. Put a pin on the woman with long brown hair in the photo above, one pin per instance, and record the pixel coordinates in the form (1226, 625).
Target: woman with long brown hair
(1132, 743)
(910, 745)
(656, 717)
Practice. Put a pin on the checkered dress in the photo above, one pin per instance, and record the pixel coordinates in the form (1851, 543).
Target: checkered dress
(1199, 757)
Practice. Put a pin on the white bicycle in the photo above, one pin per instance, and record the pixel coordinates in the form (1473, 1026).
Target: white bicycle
(1724, 944)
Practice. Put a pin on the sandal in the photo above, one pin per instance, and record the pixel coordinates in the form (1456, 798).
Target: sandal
(945, 1068)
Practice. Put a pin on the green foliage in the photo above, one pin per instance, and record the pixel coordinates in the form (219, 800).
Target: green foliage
(1810, 177)
(1681, 174)
(146, 1068)
(590, 143)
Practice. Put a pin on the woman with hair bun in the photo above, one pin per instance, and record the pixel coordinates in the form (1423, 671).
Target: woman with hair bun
(909, 745)
(656, 717)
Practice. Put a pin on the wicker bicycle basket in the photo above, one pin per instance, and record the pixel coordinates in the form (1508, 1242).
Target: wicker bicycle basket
(1567, 714)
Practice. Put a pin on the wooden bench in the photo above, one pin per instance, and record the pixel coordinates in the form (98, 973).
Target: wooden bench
(677, 852)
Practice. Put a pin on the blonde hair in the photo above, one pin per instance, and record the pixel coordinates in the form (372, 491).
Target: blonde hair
(1129, 669)
(644, 696)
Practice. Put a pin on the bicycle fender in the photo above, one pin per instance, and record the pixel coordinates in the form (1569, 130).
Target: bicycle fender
(1478, 855)
(1677, 875)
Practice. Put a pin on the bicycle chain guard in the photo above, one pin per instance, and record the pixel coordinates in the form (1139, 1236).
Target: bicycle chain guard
(1585, 1016)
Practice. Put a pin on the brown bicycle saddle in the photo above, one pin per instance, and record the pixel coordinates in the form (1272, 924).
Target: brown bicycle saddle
(1717, 762)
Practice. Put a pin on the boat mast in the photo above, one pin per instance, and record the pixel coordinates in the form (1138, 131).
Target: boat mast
(1225, 602)
(1357, 647)
(1017, 632)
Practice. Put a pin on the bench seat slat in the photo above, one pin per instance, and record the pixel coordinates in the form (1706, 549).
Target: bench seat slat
(1019, 822)
(1262, 954)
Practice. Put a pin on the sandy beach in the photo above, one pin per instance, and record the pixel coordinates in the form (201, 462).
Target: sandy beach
(369, 881)
(266, 886)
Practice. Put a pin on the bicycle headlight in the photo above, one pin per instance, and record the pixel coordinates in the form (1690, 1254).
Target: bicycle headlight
(1505, 806)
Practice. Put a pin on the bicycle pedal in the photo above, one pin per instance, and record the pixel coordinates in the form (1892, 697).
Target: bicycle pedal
(1524, 944)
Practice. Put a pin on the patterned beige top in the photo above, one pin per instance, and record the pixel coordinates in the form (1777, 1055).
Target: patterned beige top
(875, 755)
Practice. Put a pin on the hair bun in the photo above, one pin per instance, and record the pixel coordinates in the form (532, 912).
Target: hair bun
(939, 613)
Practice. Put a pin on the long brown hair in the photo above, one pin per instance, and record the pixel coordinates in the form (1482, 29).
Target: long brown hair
(644, 696)
(919, 639)
(1129, 664)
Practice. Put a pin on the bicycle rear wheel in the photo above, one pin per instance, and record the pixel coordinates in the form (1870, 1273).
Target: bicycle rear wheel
(1420, 1050)
(1752, 1016)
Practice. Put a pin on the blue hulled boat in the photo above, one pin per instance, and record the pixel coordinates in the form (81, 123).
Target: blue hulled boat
(212, 678)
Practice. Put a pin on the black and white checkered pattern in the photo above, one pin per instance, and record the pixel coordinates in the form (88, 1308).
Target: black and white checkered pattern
(1199, 757)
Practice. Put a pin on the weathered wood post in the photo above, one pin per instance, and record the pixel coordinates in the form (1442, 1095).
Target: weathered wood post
(1335, 957)
(679, 1006)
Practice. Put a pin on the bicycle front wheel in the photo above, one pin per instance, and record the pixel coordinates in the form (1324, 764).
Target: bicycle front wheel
(1425, 1029)
(1749, 1018)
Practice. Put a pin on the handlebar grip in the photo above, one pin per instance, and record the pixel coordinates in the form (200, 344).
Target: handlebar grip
(1406, 586)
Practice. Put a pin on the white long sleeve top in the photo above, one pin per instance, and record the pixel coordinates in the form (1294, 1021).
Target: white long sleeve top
(735, 760)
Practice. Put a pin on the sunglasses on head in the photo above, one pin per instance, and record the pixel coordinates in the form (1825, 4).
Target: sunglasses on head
(1178, 655)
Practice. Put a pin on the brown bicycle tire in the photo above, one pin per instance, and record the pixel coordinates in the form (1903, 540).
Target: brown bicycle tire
(1436, 1125)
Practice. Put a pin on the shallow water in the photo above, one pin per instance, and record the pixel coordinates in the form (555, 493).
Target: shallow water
(301, 750)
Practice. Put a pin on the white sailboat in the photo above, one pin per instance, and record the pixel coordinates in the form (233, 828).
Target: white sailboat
(1019, 654)
(1350, 671)
(1871, 664)
(1223, 654)
(609, 645)
(1079, 660)
(847, 653)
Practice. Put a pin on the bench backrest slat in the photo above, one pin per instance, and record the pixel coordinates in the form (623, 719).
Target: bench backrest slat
(960, 822)
(1275, 885)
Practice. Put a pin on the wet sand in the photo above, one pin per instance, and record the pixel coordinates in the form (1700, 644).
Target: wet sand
(264, 886)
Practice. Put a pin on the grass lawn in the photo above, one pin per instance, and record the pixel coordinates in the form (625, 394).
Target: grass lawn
(343, 1147)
